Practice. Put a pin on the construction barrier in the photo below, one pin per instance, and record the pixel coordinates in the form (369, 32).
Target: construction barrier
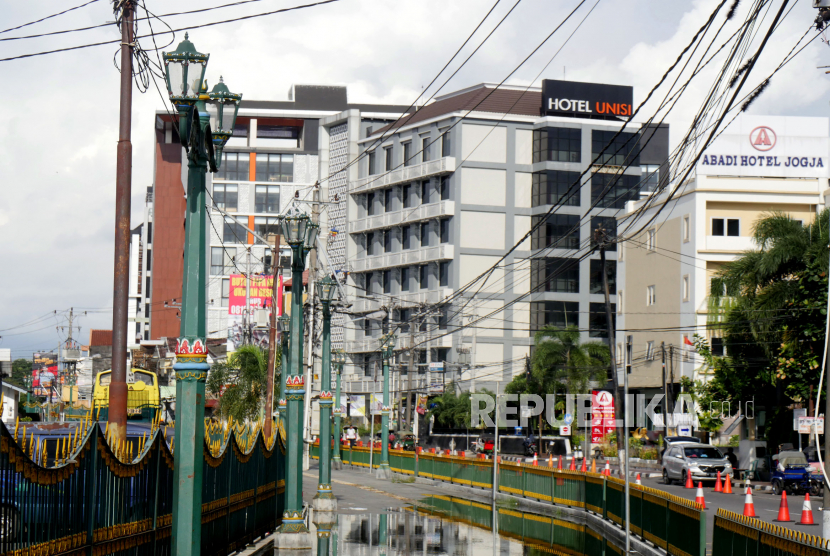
(737, 535)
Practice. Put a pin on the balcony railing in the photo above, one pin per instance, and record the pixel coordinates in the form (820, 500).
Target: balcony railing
(405, 216)
(355, 384)
(404, 258)
(369, 345)
(405, 174)
(403, 300)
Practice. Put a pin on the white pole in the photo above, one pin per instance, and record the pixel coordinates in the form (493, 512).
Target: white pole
(371, 434)
(496, 455)
(625, 466)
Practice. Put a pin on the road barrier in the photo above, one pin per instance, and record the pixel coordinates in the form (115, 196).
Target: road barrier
(737, 535)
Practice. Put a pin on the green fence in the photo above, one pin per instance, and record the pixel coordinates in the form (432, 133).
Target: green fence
(736, 535)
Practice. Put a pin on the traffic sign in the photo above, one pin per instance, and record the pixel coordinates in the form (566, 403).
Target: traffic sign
(565, 430)
(569, 419)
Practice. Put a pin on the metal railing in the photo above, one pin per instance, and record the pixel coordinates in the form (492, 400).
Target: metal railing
(737, 535)
(405, 174)
(441, 252)
(405, 216)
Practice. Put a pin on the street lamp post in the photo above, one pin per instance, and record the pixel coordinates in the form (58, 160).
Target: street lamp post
(325, 500)
(284, 327)
(206, 121)
(338, 359)
(387, 346)
(301, 235)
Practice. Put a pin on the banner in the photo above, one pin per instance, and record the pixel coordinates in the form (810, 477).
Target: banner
(602, 415)
(376, 404)
(344, 401)
(260, 295)
(358, 406)
(421, 408)
(44, 373)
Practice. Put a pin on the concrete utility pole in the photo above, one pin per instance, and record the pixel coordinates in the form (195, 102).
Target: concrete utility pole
(272, 339)
(246, 314)
(117, 409)
(600, 239)
(312, 275)
(411, 371)
(665, 391)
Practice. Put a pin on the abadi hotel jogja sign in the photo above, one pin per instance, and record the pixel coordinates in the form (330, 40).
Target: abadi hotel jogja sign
(769, 146)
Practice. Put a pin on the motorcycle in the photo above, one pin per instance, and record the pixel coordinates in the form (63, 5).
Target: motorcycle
(531, 449)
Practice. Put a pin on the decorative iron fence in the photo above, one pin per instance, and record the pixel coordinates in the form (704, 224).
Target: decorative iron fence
(79, 495)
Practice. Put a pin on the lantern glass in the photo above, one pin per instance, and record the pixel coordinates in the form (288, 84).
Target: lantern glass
(294, 228)
(311, 235)
(325, 289)
(185, 71)
(222, 107)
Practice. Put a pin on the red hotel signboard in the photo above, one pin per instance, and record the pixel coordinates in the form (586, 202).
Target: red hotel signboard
(602, 415)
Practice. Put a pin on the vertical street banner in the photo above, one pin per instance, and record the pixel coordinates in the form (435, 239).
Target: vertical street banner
(344, 404)
(44, 374)
(261, 293)
(602, 415)
(376, 406)
(358, 406)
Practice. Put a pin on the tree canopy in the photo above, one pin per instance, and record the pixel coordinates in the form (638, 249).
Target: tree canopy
(240, 383)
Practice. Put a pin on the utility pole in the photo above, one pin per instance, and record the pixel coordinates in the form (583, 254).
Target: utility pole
(246, 314)
(473, 360)
(117, 412)
(410, 372)
(599, 239)
(665, 391)
(272, 339)
(312, 275)
(670, 390)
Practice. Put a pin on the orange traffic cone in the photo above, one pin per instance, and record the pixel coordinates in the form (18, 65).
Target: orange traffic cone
(607, 470)
(748, 486)
(749, 505)
(699, 495)
(718, 486)
(637, 482)
(583, 468)
(593, 466)
(559, 463)
(727, 484)
(783, 508)
(535, 461)
(572, 467)
(806, 511)
(550, 461)
(689, 483)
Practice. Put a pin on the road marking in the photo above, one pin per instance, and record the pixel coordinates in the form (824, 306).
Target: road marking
(370, 489)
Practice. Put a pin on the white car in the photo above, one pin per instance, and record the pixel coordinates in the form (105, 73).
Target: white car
(701, 461)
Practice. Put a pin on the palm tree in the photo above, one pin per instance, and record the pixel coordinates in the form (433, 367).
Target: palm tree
(240, 382)
(561, 360)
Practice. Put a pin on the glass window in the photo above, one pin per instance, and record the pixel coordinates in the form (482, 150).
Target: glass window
(445, 142)
(651, 295)
(404, 283)
(225, 196)
(623, 150)
(370, 203)
(733, 227)
(557, 144)
(387, 281)
(609, 225)
(425, 149)
(407, 189)
(597, 320)
(387, 153)
(406, 237)
(226, 291)
(596, 276)
(560, 314)
(275, 167)
(425, 191)
(220, 261)
(387, 241)
(266, 227)
(373, 169)
(370, 243)
(234, 167)
(444, 274)
(554, 275)
(423, 277)
(687, 228)
(445, 230)
(445, 188)
(650, 179)
(425, 234)
(407, 153)
(387, 200)
(233, 232)
(560, 231)
(717, 227)
(267, 199)
(368, 282)
(555, 187)
(614, 190)
(278, 136)
(717, 347)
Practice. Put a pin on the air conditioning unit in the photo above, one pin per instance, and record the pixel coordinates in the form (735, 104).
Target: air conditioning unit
(262, 318)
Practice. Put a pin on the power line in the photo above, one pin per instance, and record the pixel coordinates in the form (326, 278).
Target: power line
(47, 17)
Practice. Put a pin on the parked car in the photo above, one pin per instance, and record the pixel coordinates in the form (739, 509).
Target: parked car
(794, 474)
(701, 461)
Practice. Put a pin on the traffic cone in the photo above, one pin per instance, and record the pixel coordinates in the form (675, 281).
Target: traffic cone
(535, 461)
(584, 466)
(718, 486)
(727, 484)
(573, 464)
(783, 508)
(607, 470)
(699, 495)
(550, 461)
(747, 485)
(806, 511)
(749, 505)
(593, 466)
(689, 483)
(637, 482)
(559, 463)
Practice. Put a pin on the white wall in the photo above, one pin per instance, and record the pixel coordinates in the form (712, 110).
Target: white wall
(482, 230)
(483, 143)
(483, 187)
(473, 265)
(524, 146)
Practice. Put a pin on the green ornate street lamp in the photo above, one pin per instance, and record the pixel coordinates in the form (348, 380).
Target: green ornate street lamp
(338, 359)
(301, 235)
(387, 347)
(325, 500)
(284, 327)
(199, 115)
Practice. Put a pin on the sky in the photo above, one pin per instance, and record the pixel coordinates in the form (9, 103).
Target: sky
(61, 109)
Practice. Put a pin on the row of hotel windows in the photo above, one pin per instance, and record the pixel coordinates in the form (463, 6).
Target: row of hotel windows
(374, 328)
(409, 278)
(409, 237)
(607, 190)
(560, 144)
(425, 147)
(561, 231)
(562, 314)
(371, 365)
(269, 167)
(266, 197)
(561, 275)
(410, 195)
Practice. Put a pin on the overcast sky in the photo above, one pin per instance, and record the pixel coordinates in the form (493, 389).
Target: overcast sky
(61, 110)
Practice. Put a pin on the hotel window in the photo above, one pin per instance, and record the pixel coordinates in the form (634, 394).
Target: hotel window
(370, 203)
(444, 225)
(407, 153)
(425, 234)
(650, 351)
(225, 196)
(445, 188)
(387, 200)
(686, 288)
(387, 241)
(425, 192)
(275, 167)
(234, 167)
(387, 281)
(650, 178)
(651, 239)
(370, 243)
(557, 144)
(732, 228)
(617, 150)
(233, 232)
(445, 141)
(554, 275)
(555, 187)
(423, 276)
(406, 237)
(598, 319)
(220, 261)
(368, 283)
(387, 152)
(267, 198)
(372, 163)
(406, 190)
(425, 149)
(560, 314)
(596, 276)
(239, 138)
(609, 225)
(651, 295)
(717, 347)
(266, 227)
(277, 137)
(226, 291)
(559, 231)
(404, 280)
(687, 228)
(444, 274)
(614, 190)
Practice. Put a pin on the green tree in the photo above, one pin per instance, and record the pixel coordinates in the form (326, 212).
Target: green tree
(454, 409)
(240, 383)
(21, 369)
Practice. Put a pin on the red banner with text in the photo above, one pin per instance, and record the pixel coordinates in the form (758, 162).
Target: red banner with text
(602, 415)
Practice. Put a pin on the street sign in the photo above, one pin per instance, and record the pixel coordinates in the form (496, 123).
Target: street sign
(565, 430)
(436, 367)
(602, 415)
(805, 425)
(798, 412)
(568, 419)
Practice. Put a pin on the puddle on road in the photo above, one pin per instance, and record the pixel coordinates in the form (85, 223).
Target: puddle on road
(448, 526)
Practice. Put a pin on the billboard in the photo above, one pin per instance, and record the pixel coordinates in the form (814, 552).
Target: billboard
(602, 415)
(769, 146)
(44, 373)
(586, 100)
(260, 295)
